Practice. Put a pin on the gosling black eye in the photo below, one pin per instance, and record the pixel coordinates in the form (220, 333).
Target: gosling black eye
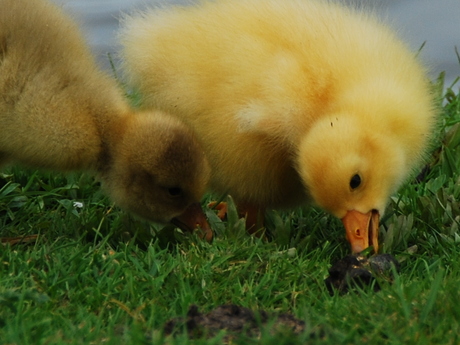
(175, 191)
(355, 181)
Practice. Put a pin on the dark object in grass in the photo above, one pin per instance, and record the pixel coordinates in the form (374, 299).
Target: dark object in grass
(235, 320)
(357, 270)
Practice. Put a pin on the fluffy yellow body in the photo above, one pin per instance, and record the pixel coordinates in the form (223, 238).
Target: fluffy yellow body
(293, 101)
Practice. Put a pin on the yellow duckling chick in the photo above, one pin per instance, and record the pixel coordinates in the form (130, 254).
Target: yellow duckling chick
(293, 101)
(58, 111)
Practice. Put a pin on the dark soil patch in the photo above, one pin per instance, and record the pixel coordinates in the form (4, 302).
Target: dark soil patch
(235, 320)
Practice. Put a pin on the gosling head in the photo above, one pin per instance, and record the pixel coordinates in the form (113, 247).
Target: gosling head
(351, 171)
(157, 170)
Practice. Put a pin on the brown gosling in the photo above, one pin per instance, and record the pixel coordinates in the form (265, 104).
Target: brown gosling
(58, 111)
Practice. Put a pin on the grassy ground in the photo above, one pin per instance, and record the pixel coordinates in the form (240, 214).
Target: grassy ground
(96, 276)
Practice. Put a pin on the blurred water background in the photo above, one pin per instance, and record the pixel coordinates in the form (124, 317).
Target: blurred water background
(435, 24)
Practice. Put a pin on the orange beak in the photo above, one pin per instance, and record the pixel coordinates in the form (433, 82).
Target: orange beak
(193, 218)
(362, 230)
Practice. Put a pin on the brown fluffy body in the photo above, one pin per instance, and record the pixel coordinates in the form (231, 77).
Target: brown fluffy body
(58, 111)
(290, 99)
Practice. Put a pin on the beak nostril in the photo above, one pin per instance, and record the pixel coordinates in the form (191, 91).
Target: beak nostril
(361, 229)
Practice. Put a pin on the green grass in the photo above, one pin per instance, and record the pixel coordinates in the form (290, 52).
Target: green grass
(97, 276)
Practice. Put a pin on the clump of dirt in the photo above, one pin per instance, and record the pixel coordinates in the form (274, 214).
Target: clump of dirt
(235, 320)
(357, 270)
